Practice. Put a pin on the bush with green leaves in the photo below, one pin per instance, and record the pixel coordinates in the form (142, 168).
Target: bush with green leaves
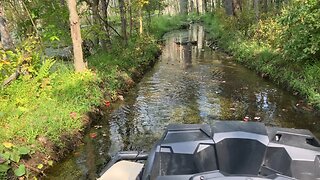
(300, 39)
(26, 57)
(10, 156)
(266, 31)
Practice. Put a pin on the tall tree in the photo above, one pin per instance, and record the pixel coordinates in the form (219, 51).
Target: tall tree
(104, 14)
(205, 4)
(76, 36)
(265, 6)
(183, 6)
(256, 8)
(228, 5)
(237, 7)
(130, 18)
(96, 20)
(197, 6)
(6, 40)
(218, 4)
(141, 4)
(123, 20)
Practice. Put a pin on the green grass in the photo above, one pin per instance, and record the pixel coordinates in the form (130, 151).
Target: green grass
(261, 57)
(32, 108)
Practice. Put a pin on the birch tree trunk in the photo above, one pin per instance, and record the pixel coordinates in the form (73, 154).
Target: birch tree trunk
(140, 21)
(197, 6)
(76, 36)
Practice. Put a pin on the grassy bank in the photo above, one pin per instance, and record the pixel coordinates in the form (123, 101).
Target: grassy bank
(42, 112)
(37, 111)
(261, 47)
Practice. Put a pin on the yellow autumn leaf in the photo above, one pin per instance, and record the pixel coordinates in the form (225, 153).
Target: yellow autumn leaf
(5, 62)
(7, 145)
(40, 166)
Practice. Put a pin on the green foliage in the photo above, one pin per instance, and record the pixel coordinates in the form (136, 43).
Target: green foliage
(26, 56)
(46, 19)
(266, 31)
(11, 155)
(301, 37)
(20, 171)
(40, 105)
(46, 102)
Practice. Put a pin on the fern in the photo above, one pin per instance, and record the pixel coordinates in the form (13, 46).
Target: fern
(44, 70)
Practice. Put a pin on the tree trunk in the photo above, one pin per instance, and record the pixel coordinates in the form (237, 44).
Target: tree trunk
(123, 21)
(197, 6)
(131, 18)
(95, 20)
(256, 8)
(212, 5)
(191, 6)
(76, 36)
(205, 4)
(6, 40)
(159, 9)
(218, 4)
(140, 21)
(265, 6)
(237, 7)
(183, 7)
(228, 5)
(104, 13)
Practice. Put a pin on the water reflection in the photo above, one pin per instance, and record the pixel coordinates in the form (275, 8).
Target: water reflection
(190, 84)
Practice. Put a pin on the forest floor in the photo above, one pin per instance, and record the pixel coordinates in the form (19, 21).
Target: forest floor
(45, 118)
(299, 79)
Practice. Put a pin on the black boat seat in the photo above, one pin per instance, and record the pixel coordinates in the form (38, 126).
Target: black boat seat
(184, 150)
(240, 146)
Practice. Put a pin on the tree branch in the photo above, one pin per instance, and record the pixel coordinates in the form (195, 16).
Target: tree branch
(11, 78)
(105, 21)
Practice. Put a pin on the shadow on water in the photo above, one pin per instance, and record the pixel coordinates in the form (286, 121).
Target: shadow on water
(190, 84)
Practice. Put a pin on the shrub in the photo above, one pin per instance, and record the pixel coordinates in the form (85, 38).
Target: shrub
(301, 37)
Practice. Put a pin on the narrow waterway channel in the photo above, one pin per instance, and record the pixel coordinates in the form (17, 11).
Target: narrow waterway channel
(191, 83)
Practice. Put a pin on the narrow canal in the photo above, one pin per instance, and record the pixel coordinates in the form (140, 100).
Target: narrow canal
(191, 83)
